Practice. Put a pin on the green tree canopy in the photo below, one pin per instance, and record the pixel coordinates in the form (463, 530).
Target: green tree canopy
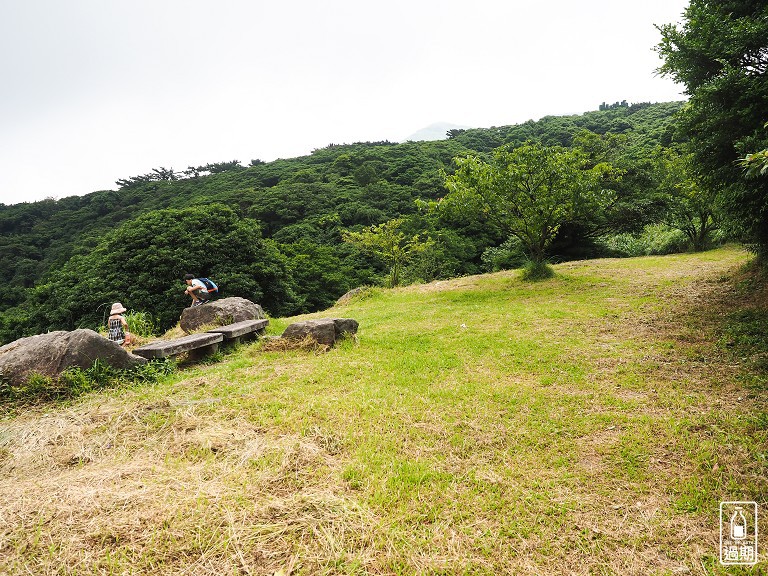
(527, 192)
(302, 205)
(141, 264)
(692, 206)
(720, 55)
(756, 163)
(388, 242)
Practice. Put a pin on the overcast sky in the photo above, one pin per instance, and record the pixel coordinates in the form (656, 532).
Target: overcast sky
(97, 90)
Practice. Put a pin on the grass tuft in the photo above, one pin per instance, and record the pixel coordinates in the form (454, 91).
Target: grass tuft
(537, 271)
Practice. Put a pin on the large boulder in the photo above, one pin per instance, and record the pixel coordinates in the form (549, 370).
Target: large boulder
(324, 331)
(219, 313)
(52, 353)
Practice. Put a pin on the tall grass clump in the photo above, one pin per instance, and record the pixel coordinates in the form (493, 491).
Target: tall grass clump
(537, 271)
(141, 324)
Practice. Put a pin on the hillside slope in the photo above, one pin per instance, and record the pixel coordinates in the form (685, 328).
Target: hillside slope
(302, 207)
(589, 424)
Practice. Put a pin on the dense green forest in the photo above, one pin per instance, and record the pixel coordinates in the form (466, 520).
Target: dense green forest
(719, 54)
(290, 234)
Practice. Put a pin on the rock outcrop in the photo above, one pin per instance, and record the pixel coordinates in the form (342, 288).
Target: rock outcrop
(52, 353)
(352, 294)
(324, 331)
(219, 312)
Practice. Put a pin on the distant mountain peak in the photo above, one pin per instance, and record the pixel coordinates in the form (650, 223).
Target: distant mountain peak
(436, 131)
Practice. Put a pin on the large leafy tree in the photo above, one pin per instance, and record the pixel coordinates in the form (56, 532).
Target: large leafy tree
(691, 206)
(634, 202)
(720, 55)
(527, 192)
(389, 243)
(141, 264)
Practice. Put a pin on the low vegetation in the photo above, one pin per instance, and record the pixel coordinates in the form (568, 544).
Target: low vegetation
(589, 424)
(75, 382)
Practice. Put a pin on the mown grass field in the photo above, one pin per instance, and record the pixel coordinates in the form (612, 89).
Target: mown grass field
(589, 424)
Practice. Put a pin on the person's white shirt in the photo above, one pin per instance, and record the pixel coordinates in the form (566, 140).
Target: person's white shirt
(203, 289)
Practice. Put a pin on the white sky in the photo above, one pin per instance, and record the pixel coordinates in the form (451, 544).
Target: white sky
(97, 90)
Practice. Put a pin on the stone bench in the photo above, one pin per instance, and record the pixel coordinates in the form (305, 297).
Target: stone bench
(196, 344)
(240, 331)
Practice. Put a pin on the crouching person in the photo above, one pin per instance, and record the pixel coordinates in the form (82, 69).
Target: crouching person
(201, 290)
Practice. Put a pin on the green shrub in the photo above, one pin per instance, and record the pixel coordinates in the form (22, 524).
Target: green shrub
(153, 370)
(507, 256)
(36, 386)
(535, 271)
(659, 239)
(214, 357)
(75, 382)
(362, 293)
(654, 240)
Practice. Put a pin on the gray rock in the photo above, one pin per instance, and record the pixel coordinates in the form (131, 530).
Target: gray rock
(52, 353)
(324, 331)
(351, 295)
(220, 312)
(345, 326)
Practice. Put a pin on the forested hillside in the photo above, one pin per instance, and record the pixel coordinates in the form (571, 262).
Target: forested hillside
(275, 232)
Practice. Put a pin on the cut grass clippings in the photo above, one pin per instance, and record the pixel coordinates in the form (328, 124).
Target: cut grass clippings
(588, 424)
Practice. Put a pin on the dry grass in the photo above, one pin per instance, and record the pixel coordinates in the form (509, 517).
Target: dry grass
(307, 343)
(164, 485)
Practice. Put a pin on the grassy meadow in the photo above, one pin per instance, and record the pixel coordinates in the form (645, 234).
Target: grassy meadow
(588, 424)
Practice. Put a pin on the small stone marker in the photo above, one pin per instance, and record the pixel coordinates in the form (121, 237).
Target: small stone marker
(324, 331)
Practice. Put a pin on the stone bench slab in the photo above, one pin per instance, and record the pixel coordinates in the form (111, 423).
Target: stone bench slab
(165, 348)
(238, 329)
